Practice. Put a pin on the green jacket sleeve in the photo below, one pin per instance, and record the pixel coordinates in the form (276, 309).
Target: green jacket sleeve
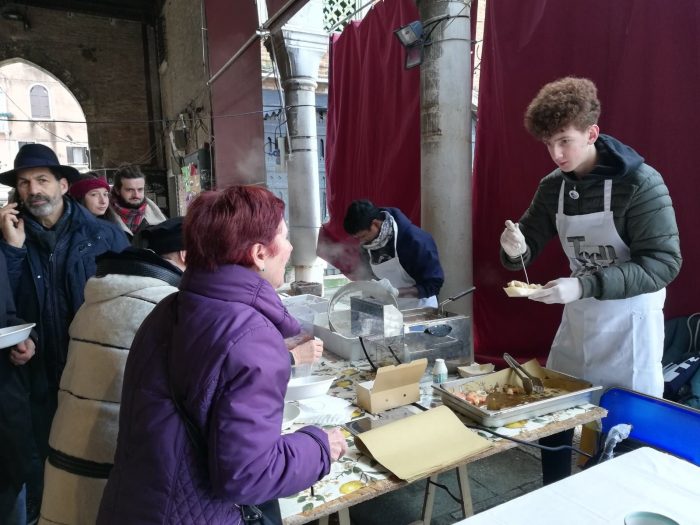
(649, 229)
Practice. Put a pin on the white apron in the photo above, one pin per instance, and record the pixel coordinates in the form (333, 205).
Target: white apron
(614, 342)
(399, 278)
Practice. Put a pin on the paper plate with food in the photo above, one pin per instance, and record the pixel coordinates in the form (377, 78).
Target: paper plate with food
(521, 289)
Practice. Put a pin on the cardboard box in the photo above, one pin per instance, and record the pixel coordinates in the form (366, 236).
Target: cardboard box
(394, 386)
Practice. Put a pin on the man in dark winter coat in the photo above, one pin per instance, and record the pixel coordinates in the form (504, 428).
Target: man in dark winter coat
(50, 243)
(397, 252)
(15, 421)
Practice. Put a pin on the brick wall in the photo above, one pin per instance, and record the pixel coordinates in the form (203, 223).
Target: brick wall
(104, 63)
(185, 97)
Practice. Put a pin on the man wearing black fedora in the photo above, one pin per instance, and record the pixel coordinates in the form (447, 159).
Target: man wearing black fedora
(50, 243)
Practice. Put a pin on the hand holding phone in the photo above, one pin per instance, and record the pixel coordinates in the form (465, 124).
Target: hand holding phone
(12, 225)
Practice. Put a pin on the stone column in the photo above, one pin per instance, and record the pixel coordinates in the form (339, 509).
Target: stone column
(446, 171)
(297, 50)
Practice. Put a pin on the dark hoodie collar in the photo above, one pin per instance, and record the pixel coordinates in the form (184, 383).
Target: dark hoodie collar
(615, 159)
(237, 284)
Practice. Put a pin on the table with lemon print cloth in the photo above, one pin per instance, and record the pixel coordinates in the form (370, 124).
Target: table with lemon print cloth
(356, 477)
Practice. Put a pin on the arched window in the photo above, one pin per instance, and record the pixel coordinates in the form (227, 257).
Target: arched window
(39, 99)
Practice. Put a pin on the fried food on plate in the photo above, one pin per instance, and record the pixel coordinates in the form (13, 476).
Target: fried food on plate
(521, 289)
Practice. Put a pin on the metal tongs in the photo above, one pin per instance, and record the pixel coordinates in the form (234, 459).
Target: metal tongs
(530, 383)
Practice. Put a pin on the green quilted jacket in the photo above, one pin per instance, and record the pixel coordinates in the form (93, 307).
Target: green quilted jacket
(643, 215)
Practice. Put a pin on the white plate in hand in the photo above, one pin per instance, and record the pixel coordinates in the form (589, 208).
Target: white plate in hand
(12, 335)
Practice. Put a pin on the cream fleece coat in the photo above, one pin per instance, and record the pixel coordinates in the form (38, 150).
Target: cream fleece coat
(87, 419)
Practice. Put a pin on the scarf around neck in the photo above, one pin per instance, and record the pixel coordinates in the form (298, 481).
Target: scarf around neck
(132, 217)
(386, 233)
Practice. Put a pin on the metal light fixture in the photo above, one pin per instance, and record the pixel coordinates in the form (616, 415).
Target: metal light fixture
(411, 37)
(414, 55)
(409, 34)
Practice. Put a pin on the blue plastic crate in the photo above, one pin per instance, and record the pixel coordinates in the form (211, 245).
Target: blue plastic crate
(657, 422)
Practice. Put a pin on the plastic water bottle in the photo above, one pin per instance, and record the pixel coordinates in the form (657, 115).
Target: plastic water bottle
(439, 371)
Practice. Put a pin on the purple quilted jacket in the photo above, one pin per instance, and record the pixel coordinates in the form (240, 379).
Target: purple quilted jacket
(223, 336)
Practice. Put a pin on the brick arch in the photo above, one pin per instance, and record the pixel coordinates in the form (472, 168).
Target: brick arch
(37, 58)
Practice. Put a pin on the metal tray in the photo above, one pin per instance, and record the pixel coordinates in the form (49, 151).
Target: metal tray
(580, 392)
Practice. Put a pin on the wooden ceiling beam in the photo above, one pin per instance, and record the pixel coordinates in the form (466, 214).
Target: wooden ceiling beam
(138, 10)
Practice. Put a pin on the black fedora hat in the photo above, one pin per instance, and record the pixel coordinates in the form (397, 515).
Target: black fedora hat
(165, 237)
(37, 156)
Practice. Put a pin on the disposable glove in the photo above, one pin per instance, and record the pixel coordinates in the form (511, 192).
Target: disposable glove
(386, 284)
(512, 240)
(564, 290)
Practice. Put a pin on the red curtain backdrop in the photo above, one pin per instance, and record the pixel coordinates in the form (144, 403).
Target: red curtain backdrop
(644, 56)
(373, 125)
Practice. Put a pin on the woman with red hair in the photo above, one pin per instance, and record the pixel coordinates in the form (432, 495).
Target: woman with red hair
(205, 380)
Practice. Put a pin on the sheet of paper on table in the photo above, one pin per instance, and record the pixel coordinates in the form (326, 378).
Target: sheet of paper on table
(417, 445)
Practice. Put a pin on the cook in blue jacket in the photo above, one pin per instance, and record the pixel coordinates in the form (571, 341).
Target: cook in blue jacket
(395, 249)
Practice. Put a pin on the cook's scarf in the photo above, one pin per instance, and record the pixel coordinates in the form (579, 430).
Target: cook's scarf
(385, 233)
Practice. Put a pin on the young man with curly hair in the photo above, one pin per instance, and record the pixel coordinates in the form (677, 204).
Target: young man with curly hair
(615, 221)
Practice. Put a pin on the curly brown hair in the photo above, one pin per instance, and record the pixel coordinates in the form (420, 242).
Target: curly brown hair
(567, 101)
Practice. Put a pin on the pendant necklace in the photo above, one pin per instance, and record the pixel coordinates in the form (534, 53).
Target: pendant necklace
(574, 194)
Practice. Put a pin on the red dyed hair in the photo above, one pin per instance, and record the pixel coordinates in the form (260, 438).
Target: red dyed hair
(222, 226)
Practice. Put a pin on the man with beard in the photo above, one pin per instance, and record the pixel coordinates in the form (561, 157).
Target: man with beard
(129, 207)
(50, 243)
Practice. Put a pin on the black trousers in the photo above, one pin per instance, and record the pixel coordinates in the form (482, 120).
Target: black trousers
(556, 465)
